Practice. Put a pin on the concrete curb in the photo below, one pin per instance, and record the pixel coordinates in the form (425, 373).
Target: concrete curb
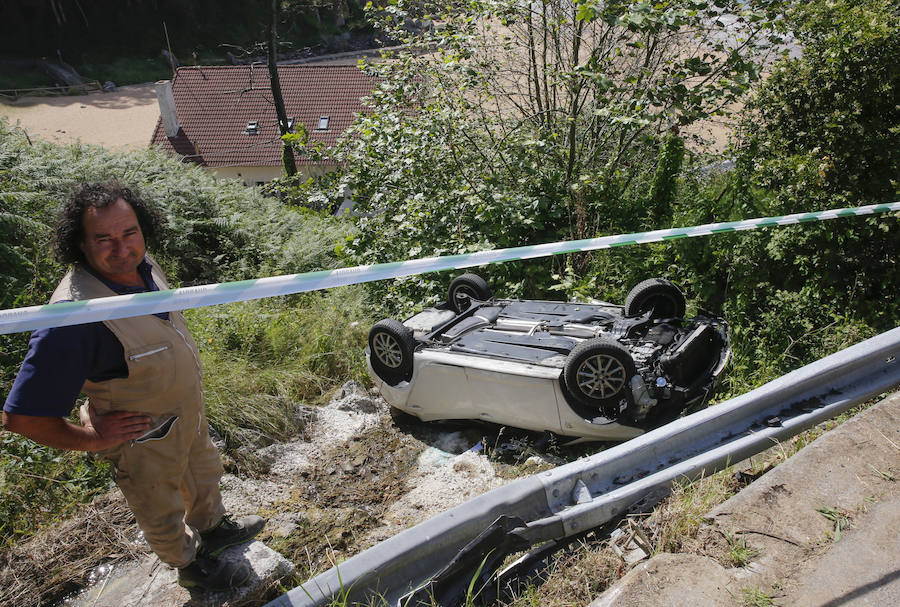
(802, 560)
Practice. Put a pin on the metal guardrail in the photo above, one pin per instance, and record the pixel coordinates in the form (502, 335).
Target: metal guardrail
(592, 491)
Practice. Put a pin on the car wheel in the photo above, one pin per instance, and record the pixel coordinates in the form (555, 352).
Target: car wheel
(597, 374)
(465, 288)
(391, 346)
(661, 297)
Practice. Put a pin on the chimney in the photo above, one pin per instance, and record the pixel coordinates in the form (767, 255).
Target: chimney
(167, 107)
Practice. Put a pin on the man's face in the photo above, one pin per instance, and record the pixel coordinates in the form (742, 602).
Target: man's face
(113, 243)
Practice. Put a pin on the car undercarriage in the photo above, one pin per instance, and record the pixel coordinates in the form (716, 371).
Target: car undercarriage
(631, 366)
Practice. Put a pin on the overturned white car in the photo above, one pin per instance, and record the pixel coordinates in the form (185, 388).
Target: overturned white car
(589, 370)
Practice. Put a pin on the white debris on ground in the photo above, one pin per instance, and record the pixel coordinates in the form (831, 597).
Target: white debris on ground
(440, 482)
(443, 477)
(351, 411)
(447, 472)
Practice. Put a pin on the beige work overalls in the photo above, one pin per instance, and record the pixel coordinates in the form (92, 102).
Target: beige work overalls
(170, 478)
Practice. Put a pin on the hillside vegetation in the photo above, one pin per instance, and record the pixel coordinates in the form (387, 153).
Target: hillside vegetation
(519, 128)
(260, 358)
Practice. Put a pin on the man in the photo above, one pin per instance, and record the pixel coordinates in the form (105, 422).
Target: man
(142, 375)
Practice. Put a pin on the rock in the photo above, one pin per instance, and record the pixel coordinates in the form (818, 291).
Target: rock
(109, 86)
(149, 582)
(283, 524)
(354, 398)
(544, 459)
(216, 438)
(303, 416)
(63, 73)
(349, 387)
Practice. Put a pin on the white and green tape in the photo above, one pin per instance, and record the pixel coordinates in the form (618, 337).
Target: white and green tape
(123, 306)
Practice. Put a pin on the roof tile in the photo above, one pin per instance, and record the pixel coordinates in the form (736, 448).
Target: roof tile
(215, 103)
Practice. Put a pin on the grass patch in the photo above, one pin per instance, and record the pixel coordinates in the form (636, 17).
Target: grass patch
(40, 485)
(839, 517)
(54, 562)
(344, 497)
(740, 553)
(754, 597)
(24, 79)
(885, 475)
(673, 525)
(574, 579)
(263, 358)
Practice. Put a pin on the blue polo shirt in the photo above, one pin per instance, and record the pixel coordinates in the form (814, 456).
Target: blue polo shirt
(59, 360)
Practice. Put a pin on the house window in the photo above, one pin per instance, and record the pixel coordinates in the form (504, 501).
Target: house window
(323, 123)
(252, 127)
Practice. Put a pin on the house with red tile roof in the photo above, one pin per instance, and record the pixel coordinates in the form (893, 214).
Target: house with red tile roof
(223, 117)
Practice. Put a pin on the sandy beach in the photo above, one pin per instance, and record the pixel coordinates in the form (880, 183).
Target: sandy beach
(123, 119)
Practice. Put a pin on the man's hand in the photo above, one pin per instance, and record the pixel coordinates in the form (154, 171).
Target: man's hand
(115, 427)
(99, 433)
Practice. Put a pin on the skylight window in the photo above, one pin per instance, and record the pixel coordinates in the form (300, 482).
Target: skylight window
(252, 127)
(323, 123)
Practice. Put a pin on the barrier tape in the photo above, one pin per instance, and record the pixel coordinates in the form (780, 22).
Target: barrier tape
(123, 306)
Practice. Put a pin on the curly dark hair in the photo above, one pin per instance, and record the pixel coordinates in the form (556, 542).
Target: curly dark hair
(70, 227)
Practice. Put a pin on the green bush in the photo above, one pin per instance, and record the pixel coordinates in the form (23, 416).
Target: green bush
(218, 230)
(40, 485)
(261, 357)
(823, 130)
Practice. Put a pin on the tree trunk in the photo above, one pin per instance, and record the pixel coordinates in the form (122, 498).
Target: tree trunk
(290, 166)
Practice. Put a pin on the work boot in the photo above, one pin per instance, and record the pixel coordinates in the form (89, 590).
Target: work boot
(230, 532)
(213, 574)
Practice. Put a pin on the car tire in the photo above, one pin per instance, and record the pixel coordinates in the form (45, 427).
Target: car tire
(597, 374)
(661, 297)
(391, 347)
(465, 288)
